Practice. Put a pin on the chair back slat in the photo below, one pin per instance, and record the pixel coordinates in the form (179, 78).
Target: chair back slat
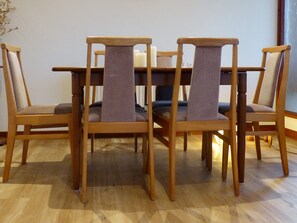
(205, 83)
(270, 79)
(17, 81)
(118, 93)
(164, 93)
(164, 61)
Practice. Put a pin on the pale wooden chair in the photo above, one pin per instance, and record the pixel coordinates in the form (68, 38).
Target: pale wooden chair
(118, 92)
(201, 113)
(23, 113)
(269, 101)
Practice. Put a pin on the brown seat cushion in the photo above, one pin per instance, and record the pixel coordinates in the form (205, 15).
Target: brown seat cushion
(164, 112)
(225, 107)
(64, 108)
(258, 108)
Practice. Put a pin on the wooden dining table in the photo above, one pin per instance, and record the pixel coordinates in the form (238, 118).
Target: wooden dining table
(160, 76)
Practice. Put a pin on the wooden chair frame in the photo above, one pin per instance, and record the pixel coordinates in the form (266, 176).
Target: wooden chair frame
(278, 116)
(29, 121)
(118, 127)
(173, 126)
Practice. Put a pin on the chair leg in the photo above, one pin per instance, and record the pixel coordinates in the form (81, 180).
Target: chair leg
(209, 150)
(70, 132)
(9, 151)
(135, 143)
(203, 150)
(151, 166)
(234, 163)
(172, 139)
(185, 141)
(225, 157)
(256, 128)
(268, 139)
(84, 167)
(92, 142)
(27, 130)
(145, 153)
(282, 145)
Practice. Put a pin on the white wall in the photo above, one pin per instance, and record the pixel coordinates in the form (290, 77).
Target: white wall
(52, 33)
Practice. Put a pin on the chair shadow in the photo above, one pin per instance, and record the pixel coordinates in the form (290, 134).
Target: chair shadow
(115, 177)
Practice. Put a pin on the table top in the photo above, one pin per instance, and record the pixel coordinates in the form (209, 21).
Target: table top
(154, 69)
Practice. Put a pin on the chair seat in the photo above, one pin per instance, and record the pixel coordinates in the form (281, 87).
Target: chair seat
(167, 103)
(224, 107)
(95, 114)
(64, 108)
(99, 104)
(164, 112)
(96, 104)
(258, 108)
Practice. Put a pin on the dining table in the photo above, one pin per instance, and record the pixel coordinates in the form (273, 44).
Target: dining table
(160, 76)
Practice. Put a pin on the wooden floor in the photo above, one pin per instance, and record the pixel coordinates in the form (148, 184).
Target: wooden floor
(41, 190)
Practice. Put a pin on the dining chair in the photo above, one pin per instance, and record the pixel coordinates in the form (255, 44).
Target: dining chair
(21, 112)
(201, 112)
(118, 92)
(269, 101)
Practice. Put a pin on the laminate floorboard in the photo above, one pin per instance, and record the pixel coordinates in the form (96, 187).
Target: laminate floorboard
(40, 191)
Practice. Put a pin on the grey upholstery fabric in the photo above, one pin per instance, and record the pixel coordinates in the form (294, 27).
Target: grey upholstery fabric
(225, 107)
(270, 79)
(99, 103)
(96, 104)
(95, 114)
(17, 81)
(158, 104)
(118, 92)
(64, 108)
(205, 83)
(258, 108)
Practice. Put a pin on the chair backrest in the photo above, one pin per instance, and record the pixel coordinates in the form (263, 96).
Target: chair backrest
(164, 59)
(205, 81)
(118, 102)
(15, 85)
(275, 60)
(98, 53)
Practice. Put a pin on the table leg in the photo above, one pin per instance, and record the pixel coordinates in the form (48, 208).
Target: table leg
(76, 112)
(2, 141)
(241, 123)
